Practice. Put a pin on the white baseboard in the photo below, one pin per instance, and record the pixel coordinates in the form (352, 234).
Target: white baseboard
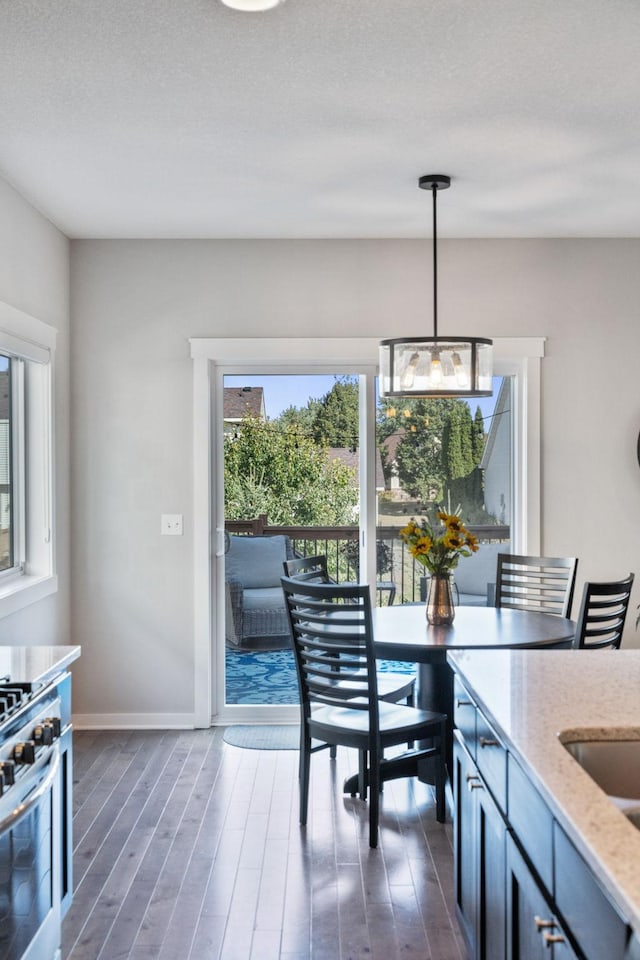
(134, 721)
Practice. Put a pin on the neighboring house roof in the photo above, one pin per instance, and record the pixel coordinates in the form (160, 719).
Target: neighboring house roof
(239, 402)
(502, 406)
(351, 458)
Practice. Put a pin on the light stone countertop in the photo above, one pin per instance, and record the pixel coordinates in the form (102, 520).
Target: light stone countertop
(532, 696)
(35, 664)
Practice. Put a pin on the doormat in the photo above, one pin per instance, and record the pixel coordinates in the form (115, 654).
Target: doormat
(276, 736)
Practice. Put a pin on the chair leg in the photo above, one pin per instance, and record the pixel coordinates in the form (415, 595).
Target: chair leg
(411, 702)
(375, 757)
(363, 774)
(441, 777)
(304, 769)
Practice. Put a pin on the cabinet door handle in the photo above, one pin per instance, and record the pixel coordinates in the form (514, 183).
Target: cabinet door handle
(474, 783)
(463, 703)
(541, 924)
(551, 938)
(486, 742)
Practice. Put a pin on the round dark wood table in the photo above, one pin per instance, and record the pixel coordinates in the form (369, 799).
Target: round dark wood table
(402, 633)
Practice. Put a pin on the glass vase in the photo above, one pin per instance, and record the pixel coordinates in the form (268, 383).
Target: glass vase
(440, 608)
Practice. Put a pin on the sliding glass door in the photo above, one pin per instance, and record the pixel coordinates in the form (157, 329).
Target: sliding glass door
(294, 480)
(292, 444)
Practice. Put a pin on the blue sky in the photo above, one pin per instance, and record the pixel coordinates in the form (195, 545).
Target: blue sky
(282, 391)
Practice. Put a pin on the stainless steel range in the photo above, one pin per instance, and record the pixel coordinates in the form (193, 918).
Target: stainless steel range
(35, 813)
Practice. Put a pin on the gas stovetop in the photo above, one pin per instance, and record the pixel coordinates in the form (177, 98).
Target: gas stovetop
(14, 701)
(13, 696)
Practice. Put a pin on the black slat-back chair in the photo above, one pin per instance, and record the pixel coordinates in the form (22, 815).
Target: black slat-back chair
(393, 687)
(332, 633)
(542, 584)
(603, 612)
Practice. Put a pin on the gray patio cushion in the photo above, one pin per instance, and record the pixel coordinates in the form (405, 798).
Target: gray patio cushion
(474, 573)
(263, 598)
(256, 561)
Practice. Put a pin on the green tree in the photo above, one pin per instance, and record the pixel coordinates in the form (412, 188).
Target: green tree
(477, 437)
(298, 418)
(438, 449)
(466, 487)
(337, 415)
(419, 424)
(284, 474)
(457, 442)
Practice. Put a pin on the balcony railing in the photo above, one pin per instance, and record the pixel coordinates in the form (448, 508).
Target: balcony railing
(340, 544)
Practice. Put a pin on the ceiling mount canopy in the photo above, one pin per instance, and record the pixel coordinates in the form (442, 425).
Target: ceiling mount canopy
(252, 6)
(436, 366)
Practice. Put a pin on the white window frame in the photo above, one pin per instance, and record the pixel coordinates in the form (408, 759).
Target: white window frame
(32, 343)
(518, 357)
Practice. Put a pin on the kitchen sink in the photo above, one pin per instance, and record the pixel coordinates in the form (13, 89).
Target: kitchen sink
(615, 766)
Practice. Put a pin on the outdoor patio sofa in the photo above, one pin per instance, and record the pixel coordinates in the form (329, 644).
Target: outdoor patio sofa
(475, 576)
(474, 579)
(255, 609)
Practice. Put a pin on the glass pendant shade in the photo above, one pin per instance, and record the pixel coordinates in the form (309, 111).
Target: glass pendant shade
(436, 367)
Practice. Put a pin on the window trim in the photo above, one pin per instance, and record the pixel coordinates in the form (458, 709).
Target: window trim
(33, 342)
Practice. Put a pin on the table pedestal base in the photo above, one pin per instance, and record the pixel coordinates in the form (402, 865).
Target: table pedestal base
(412, 763)
(435, 692)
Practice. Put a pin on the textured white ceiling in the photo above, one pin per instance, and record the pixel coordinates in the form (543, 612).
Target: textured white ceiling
(183, 118)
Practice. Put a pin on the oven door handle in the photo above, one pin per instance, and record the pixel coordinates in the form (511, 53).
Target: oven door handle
(32, 798)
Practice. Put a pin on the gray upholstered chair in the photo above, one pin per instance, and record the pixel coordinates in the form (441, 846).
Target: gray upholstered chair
(255, 608)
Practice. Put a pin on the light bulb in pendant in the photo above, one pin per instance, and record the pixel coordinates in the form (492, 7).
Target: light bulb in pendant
(436, 369)
(459, 370)
(409, 375)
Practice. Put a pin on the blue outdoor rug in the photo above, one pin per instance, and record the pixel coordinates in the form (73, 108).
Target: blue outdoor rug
(269, 676)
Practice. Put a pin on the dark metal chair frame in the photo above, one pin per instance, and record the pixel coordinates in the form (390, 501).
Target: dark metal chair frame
(332, 629)
(392, 687)
(603, 611)
(542, 584)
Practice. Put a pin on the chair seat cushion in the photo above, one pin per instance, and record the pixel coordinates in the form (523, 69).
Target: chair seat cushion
(472, 599)
(263, 598)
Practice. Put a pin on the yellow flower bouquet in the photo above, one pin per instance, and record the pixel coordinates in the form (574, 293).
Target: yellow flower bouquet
(439, 553)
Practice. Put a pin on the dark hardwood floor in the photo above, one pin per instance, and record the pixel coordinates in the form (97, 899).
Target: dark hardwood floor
(187, 848)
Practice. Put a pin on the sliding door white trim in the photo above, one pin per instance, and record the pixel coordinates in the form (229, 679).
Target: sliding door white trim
(520, 358)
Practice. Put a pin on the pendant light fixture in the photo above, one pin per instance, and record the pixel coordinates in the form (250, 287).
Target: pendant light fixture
(436, 366)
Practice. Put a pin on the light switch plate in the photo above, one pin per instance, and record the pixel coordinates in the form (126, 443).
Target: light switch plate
(171, 524)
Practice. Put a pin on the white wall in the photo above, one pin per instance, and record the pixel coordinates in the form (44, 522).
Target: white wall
(34, 278)
(134, 304)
